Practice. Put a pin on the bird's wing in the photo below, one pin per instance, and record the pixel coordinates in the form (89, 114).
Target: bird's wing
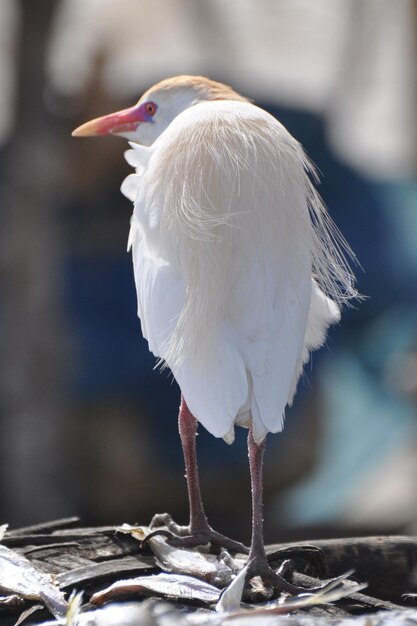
(161, 296)
(223, 247)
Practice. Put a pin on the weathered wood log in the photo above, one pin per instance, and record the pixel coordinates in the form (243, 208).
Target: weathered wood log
(90, 559)
(357, 602)
(64, 522)
(103, 572)
(387, 564)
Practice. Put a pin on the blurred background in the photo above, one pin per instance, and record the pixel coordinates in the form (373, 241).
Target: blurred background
(87, 425)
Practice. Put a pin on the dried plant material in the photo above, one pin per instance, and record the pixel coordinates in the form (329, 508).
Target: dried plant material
(10, 602)
(161, 613)
(193, 562)
(30, 611)
(333, 591)
(124, 614)
(18, 576)
(177, 587)
(74, 606)
(231, 597)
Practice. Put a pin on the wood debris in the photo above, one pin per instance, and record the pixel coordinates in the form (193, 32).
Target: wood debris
(43, 565)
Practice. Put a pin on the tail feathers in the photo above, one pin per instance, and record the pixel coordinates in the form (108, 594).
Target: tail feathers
(323, 313)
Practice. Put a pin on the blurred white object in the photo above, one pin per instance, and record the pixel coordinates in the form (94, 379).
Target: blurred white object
(353, 62)
(372, 116)
(383, 494)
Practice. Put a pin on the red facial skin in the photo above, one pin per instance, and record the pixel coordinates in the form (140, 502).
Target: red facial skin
(123, 121)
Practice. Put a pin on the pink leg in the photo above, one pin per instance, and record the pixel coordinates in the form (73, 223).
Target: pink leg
(256, 458)
(199, 532)
(257, 562)
(187, 426)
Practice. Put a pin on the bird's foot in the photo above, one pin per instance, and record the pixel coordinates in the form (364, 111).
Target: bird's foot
(191, 536)
(164, 520)
(272, 582)
(275, 582)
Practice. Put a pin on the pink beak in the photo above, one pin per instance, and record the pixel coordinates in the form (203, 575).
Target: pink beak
(113, 124)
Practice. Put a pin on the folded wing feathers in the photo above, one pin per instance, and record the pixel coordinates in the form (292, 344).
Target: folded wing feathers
(219, 198)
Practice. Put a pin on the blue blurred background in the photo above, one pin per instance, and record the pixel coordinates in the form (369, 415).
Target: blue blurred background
(87, 425)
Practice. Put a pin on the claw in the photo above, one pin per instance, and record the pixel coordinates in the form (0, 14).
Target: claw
(155, 533)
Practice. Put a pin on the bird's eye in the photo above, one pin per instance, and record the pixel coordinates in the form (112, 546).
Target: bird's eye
(151, 108)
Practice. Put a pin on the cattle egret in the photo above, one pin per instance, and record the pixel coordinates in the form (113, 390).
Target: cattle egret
(239, 271)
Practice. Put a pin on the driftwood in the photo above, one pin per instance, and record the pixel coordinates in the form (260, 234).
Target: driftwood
(387, 564)
(89, 559)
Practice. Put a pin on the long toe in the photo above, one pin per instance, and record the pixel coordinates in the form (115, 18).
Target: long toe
(273, 581)
(276, 582)
(223, 542)
(164, 520)
(186, 537)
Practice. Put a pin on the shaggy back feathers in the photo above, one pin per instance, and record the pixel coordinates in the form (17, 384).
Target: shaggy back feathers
(226, 177)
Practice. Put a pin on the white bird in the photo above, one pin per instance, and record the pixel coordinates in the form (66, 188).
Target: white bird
(239, 270)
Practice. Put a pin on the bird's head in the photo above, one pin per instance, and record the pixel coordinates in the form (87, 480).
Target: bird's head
(146, 120)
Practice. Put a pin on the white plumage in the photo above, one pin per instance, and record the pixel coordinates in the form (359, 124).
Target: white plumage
(226, 235)
(239, 272)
